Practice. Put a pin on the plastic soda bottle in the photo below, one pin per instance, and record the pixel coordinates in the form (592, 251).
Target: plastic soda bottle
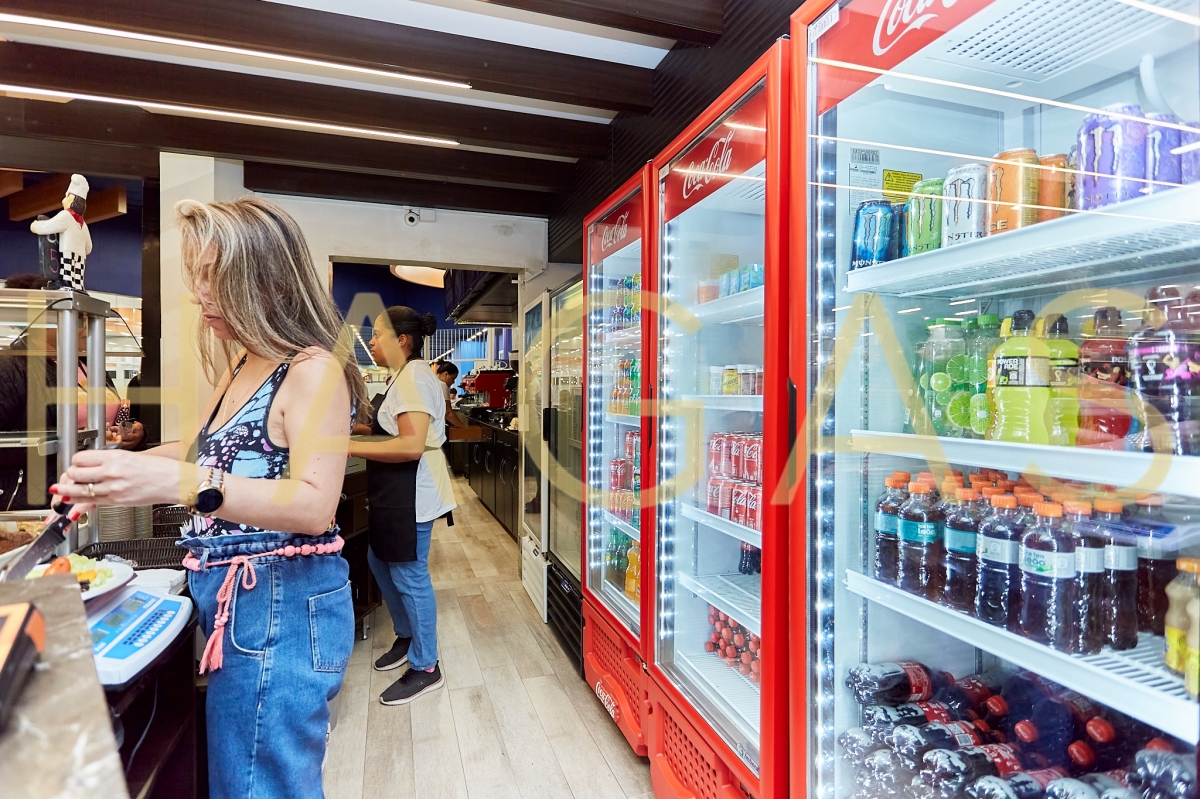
(915, 420)
(887, 529)
(1048, 580)
(1180, 591)
(960, 570)
(1146, 348)
(1156, 563)
(633, 572)
(1089, 576)
(920, 544)
(1119, 602)
(1104, 418)
(1019, 374)
(979, 354)
(946, 374)
(998, 547)
(895, 683)
(1062, 420)
(1191, 663)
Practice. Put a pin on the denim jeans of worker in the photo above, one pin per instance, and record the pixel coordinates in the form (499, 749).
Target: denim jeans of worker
(408, 593)
(285, 649)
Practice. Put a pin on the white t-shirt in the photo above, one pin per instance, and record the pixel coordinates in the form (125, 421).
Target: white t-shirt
(415, 389)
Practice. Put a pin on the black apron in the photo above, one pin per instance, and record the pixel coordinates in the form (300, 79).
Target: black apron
(392, 502)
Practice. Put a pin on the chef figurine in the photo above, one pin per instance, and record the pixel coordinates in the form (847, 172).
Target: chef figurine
(74, 241)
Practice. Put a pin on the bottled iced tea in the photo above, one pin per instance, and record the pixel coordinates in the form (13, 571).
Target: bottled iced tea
(1027, 500)
(1048, 580)
(998, 547)
(1089, 576)
(1156, 563)
(1176, 622)
(887, 529)
(1119, 614)
(960, 570)
(920, 544)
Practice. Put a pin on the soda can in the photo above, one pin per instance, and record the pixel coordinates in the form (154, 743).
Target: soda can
(1189, 160)
(736, 447)
(713, 496)
(737, 512)
(1112, 155)
(752, 459)
(754, 509)
(1163, 167)
(872, 233)
(631, 444)
(923, 217)
(1012, 191)
(1053, 186)
(897, 241)
(1073, 178)
(718, 453)
(964, 213)
(725, 497)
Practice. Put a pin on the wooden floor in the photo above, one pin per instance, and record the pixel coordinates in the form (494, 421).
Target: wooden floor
(514, 720)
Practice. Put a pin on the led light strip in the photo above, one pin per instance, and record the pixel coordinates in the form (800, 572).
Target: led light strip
(17, 19)
(1178, 16)
(235, 116)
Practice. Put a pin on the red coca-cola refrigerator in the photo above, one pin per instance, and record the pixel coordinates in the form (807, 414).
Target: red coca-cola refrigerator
(994, 221)
(616, 543)
(721, 408)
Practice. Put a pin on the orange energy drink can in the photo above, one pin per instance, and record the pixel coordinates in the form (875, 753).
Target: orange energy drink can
(1012, 191)
(1053, 186)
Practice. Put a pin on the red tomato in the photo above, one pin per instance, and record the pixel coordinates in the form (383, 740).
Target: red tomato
(739, 640)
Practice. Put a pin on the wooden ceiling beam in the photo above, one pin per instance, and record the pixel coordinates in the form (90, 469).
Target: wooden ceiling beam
(87, 158)
(52, 68)
(288, 30)
(135, 136)
(693, 21)
(105, 204)
(43, 197)
(11, 182)
(279, 179)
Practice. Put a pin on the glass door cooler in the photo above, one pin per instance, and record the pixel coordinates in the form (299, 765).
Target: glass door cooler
(613, 435)
(997, 207)
(718, 647)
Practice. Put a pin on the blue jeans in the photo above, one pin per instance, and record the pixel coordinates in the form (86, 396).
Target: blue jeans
(285, 648)
(408, 593)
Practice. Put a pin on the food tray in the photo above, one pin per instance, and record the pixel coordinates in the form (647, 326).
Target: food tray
(147, 553)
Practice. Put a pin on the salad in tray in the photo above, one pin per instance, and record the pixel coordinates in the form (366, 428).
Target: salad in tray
(92, 574)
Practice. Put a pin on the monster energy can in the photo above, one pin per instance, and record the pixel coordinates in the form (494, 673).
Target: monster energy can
(923, 218)
(964, 212)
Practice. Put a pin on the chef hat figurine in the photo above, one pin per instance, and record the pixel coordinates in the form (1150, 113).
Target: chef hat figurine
(74, 240)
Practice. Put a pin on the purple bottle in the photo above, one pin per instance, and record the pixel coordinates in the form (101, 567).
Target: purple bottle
(1112, 157)
(1162, 165)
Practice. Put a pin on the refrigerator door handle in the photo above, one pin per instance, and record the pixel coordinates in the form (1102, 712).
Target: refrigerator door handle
(547, 423)
(792, 455)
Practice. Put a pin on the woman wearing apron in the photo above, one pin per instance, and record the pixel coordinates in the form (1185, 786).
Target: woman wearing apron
(408, 487)
(262, 480)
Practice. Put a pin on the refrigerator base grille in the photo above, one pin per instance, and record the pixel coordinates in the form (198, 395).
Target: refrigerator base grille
(607, 658)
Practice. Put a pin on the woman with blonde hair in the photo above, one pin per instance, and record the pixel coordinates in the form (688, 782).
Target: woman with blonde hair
(262, 479)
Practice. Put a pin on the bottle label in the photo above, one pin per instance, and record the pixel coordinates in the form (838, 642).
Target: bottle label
(960, 732)
(1152, 548)
(918, 680)
(1120, 558)
(936, 711)
(886, 522)
(1064, 372)
(977, 690)
(1020, 371)
(918, 532)
(1045, 776)
(1054, 565)
(1191, 671)
(998, 550)
(1082, 708)
(1003, 757)
(1176, 649)
(960, 540)
(1089, 560)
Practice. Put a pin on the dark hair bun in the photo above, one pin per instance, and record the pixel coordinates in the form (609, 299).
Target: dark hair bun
(428, 324)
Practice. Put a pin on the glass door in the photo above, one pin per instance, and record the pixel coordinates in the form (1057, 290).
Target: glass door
(564, 471)
(614, 420)
(710, 420)
(532, 425)
(1003, 236)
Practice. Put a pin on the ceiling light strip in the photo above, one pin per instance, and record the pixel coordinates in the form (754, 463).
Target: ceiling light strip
(236, 116)
(1178, 16)
(18, 19)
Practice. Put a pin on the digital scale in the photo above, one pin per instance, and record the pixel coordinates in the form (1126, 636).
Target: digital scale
(132, 630)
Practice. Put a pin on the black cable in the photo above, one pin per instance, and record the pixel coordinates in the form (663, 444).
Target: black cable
(149, 724)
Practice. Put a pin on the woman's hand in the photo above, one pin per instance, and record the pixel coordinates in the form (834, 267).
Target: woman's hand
(127, 479)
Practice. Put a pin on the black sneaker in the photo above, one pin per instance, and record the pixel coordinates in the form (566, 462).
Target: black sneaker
(395, 657)
(411, 685)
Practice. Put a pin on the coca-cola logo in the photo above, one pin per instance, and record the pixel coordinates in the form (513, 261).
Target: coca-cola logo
(903, 16)
(616, 232)
(609, 701)
(716, 164)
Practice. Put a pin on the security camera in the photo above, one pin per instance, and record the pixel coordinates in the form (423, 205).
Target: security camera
(412, 218)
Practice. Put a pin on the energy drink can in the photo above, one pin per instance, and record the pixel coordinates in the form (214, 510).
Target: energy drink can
(872, 233)
(1163, 167)
(1053, 186)
(1112, 154)
(1189, 160)
(897, 243)
(964, 213)
(1012, 191)
(923, 217)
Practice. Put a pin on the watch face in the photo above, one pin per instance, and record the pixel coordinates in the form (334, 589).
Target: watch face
(208, 500)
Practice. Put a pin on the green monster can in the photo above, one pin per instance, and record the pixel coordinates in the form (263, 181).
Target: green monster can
(924, 217)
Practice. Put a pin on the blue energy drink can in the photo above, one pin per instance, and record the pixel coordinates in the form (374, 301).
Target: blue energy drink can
(873, 234)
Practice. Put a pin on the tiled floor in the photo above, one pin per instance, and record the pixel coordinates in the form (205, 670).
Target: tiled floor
(514, 720)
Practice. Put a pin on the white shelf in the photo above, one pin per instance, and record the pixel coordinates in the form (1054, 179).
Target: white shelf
(622, 605)
(745, 306)
(738, 596)
(728, 402)
(1172, 474)
(1134, 682)
(722, 525)
(725, 686)
(624, 527)
(1154, 235)
(623, 419)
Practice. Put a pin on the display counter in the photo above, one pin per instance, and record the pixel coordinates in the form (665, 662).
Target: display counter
(493, 470)
(352, 517)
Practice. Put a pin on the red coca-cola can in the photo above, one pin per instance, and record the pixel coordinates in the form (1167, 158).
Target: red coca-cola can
(718, 453)
(754, 508)
(631, 444)
(752, 459)
(713, 493)
(725, 498)
(737, 445)
(737, 513)
(620, 474)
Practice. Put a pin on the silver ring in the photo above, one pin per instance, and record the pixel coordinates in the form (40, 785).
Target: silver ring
(91, 490)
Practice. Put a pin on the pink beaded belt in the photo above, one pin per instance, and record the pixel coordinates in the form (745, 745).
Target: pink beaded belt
(213, 649)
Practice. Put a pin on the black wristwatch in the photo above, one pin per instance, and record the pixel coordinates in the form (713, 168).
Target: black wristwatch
(210, 495)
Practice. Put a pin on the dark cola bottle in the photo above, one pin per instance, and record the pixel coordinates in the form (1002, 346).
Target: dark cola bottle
(1023, 785)
(881, 774)
(895, 683)
(880, 720)
(1159, 774)
(911, 743)
(1018, 695)
(948, 772)
(1117, 738)
(856, 744)
(968, 696)
(1112, 784)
